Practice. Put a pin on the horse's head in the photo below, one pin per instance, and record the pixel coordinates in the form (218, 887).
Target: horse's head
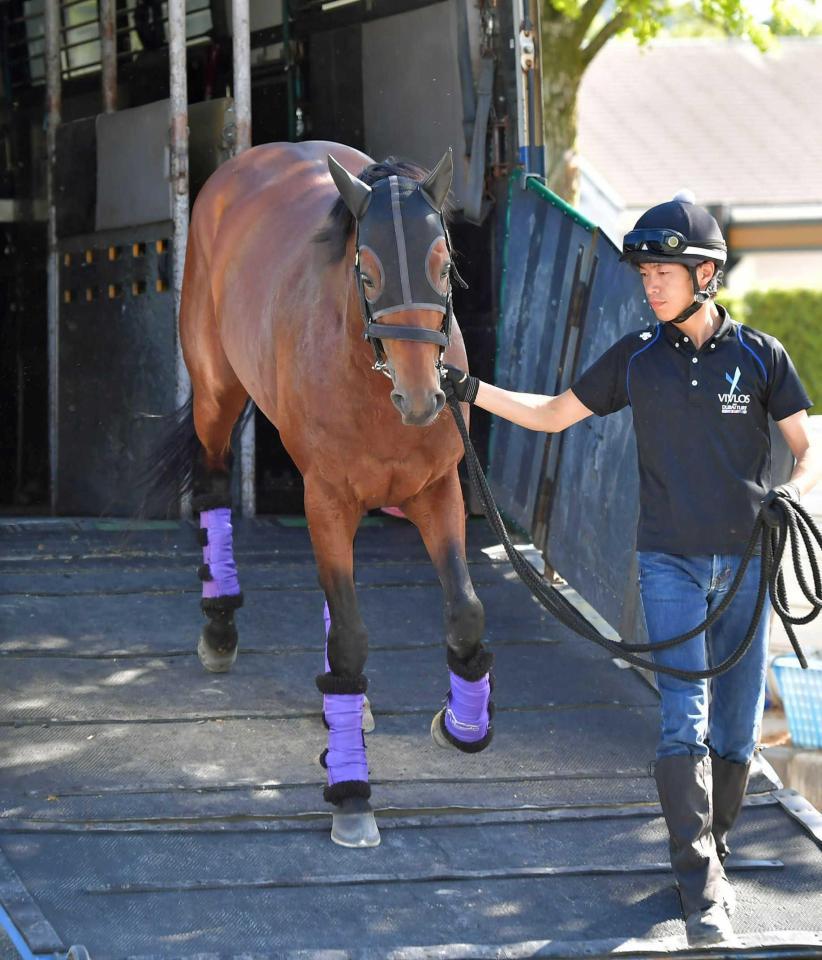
(403, 268)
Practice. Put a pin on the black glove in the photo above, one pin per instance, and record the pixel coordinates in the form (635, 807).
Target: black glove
(460, 384)
(771, 511)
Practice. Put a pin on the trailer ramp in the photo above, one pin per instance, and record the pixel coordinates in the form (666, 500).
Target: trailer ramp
(150, 809)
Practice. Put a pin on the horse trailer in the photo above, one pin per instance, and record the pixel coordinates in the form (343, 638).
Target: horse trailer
(112, 126)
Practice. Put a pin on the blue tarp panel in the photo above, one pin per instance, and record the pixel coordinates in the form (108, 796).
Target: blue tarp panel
(592, 526)
(566, 299)
(546, 251)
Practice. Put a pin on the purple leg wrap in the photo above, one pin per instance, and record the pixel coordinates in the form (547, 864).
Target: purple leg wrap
(327, 621)
(219, 570)
(345, 758)
(466, 716)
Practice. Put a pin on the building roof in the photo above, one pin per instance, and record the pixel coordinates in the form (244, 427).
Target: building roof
(734, 125)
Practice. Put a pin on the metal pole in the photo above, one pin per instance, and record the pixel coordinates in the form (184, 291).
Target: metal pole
(108, 38)
(242, 115)
(242, 74)
(179, 184)
(537, 132)
(526, 60)
(289, 70)
(53, 108)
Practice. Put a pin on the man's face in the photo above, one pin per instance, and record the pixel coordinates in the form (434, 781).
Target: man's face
(668, 288)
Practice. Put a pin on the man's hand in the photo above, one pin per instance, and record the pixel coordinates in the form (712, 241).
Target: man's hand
(771, 512)
(460, 384)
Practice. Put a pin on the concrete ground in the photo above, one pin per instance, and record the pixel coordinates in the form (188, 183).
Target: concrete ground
(149, 809)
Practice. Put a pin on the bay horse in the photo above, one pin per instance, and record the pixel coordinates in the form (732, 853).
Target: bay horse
(311, 271)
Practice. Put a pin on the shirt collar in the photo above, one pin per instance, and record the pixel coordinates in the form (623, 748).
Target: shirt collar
(726, 329)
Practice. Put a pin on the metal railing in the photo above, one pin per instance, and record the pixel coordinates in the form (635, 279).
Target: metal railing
(24, 36)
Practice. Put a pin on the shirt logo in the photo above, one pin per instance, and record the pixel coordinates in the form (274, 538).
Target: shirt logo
(645, 336)
(733, 402)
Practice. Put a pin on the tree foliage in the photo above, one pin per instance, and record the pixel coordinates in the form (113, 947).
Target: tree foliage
(574, 31)
(794, 317)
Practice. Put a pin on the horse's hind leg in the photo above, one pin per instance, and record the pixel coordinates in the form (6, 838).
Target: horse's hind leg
(332, 521)
(221, 597)
(466, 720)
(219, 398)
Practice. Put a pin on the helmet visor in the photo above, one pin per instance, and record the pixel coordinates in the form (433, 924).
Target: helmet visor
(654, 240)
(649, 242)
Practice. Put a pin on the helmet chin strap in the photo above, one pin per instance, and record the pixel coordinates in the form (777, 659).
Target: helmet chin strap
(700, 296)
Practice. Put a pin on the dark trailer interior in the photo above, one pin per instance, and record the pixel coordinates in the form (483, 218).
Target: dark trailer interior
(388, 77)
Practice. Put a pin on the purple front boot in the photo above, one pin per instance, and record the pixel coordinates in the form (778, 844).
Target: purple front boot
(345, 761)
(217, 648)
(465, 722)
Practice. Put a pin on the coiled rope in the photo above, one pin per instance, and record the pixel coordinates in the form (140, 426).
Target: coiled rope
(795, 524)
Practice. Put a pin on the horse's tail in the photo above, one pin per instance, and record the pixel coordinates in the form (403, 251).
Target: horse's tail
(170, 470)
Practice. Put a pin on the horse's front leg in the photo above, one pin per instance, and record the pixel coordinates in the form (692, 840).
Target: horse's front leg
(332, 521)
(368, 725)
(466, 720)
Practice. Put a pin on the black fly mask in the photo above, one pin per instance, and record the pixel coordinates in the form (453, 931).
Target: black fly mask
(399, 222)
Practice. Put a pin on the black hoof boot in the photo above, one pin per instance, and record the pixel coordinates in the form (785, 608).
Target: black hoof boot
(353, 824)
(219, 640)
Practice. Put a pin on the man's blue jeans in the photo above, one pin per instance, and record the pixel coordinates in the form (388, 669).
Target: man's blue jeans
(726, 713)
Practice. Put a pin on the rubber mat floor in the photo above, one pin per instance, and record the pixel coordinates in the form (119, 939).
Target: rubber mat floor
(151, 809)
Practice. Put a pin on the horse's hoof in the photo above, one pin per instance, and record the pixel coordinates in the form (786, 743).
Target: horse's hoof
(436, 730)
(367, 716)
(444, 739)
(214, 661)
(218, 646)
(353, 824)
(77, 952)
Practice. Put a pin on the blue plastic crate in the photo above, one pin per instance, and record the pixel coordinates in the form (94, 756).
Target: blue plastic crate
(801, 692)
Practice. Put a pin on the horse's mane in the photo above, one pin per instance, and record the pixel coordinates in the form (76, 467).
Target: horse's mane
(340, 222)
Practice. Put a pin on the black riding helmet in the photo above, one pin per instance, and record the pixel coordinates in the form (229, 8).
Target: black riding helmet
(679, 231)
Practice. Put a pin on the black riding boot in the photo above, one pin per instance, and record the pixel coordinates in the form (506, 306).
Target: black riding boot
(685, 792)
(730, 782)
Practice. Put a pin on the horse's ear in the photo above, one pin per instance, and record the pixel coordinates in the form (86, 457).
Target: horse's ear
(356, 194)
(437, 184)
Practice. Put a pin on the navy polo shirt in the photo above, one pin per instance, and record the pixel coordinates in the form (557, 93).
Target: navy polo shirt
(701, 423)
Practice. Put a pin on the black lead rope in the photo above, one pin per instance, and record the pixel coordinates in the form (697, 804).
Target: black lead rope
(795, 524)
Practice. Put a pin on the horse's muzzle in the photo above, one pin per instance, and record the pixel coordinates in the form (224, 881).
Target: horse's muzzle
(419, 411)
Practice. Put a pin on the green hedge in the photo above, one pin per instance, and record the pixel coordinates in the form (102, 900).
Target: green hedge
(794, 317)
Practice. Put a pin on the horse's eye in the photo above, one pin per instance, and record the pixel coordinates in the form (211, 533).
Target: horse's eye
(367, 280)
(446, 269)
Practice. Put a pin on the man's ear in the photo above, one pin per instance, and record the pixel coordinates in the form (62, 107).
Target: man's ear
(705, 271)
